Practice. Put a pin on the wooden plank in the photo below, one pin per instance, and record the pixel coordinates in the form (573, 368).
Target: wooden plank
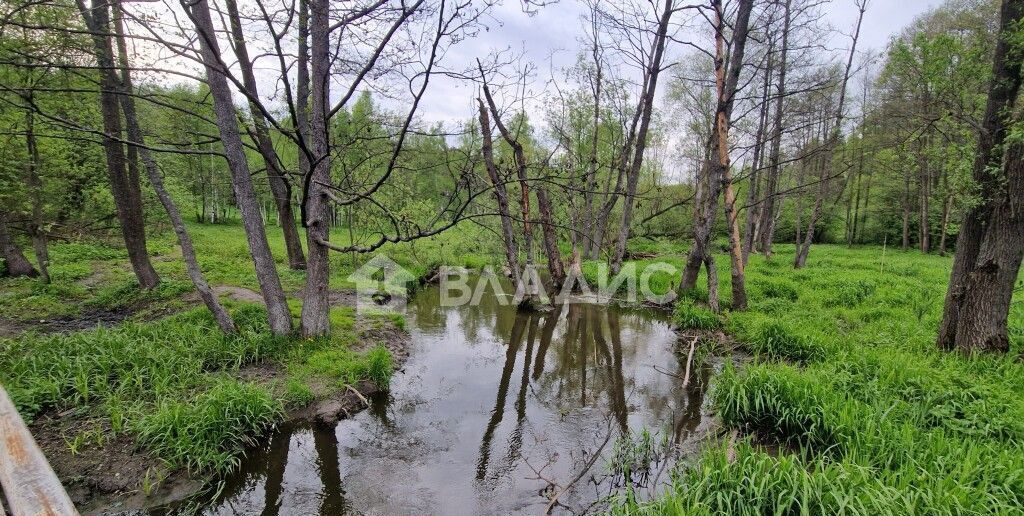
(29, 483)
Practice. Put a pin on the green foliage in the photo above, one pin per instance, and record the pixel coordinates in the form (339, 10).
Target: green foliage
(776, 289)
(206, 432)
(346, 367)
(779, 341)
(688, 315)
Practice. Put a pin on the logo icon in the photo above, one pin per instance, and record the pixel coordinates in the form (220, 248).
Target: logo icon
(381, 284)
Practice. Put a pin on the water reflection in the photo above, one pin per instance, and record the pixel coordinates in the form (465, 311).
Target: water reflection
(489, 397)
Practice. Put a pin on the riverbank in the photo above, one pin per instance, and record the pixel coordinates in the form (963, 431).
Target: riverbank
(136, 397)
(147, 413)
(844, 403)
(847, 406)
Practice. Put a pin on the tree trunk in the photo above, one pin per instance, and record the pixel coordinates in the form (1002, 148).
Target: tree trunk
(831, 142)
(753, 190)
(316, 306)
(137, 137)
(990, 245)
(555, 267)
(646, 107)
(924, 195)
(500, 194)
(245, 196)
(719, 175)
(280, 189)
(739, 40)
(14, 258)
(124, 187)
(531, 297)
(987, 289)
(40, 245)
(590, 181)
(775, 166)
(947, 203)
(906, 214)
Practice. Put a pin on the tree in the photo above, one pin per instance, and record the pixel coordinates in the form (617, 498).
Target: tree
(14, 259)
(279, 185)
(266, 271)
(830, 145)
(124, 182)
(138, 142)
(716, 171)
(991, 242)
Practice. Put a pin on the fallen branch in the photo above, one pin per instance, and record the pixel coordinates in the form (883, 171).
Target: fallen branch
(689, 361)
(583, 471)
(358, 394)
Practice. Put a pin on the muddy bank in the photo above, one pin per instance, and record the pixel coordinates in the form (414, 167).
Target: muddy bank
(87, 320)
(111, 473)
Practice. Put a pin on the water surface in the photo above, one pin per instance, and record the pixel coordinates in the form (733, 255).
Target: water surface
(493, 407)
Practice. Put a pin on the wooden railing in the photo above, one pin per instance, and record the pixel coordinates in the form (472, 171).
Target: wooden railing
(30, 486)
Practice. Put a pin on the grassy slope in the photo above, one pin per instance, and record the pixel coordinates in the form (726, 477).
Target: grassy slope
(174, 383)
(871, 418)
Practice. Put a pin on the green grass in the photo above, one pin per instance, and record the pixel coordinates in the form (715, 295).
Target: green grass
(848, 408)
(174, 383)
(688, 315)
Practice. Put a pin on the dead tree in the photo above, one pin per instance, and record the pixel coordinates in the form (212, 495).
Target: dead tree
(555, 267)
(500, 193)
(830, 145)
(991, 241)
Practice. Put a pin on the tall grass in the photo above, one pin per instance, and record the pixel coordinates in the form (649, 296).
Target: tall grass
(848, 407)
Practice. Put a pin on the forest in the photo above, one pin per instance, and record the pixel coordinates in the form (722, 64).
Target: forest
(715, 257)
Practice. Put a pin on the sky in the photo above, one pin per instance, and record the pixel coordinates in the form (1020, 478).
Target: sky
(549, 39)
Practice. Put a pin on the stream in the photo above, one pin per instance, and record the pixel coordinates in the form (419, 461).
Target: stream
(495, 412)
